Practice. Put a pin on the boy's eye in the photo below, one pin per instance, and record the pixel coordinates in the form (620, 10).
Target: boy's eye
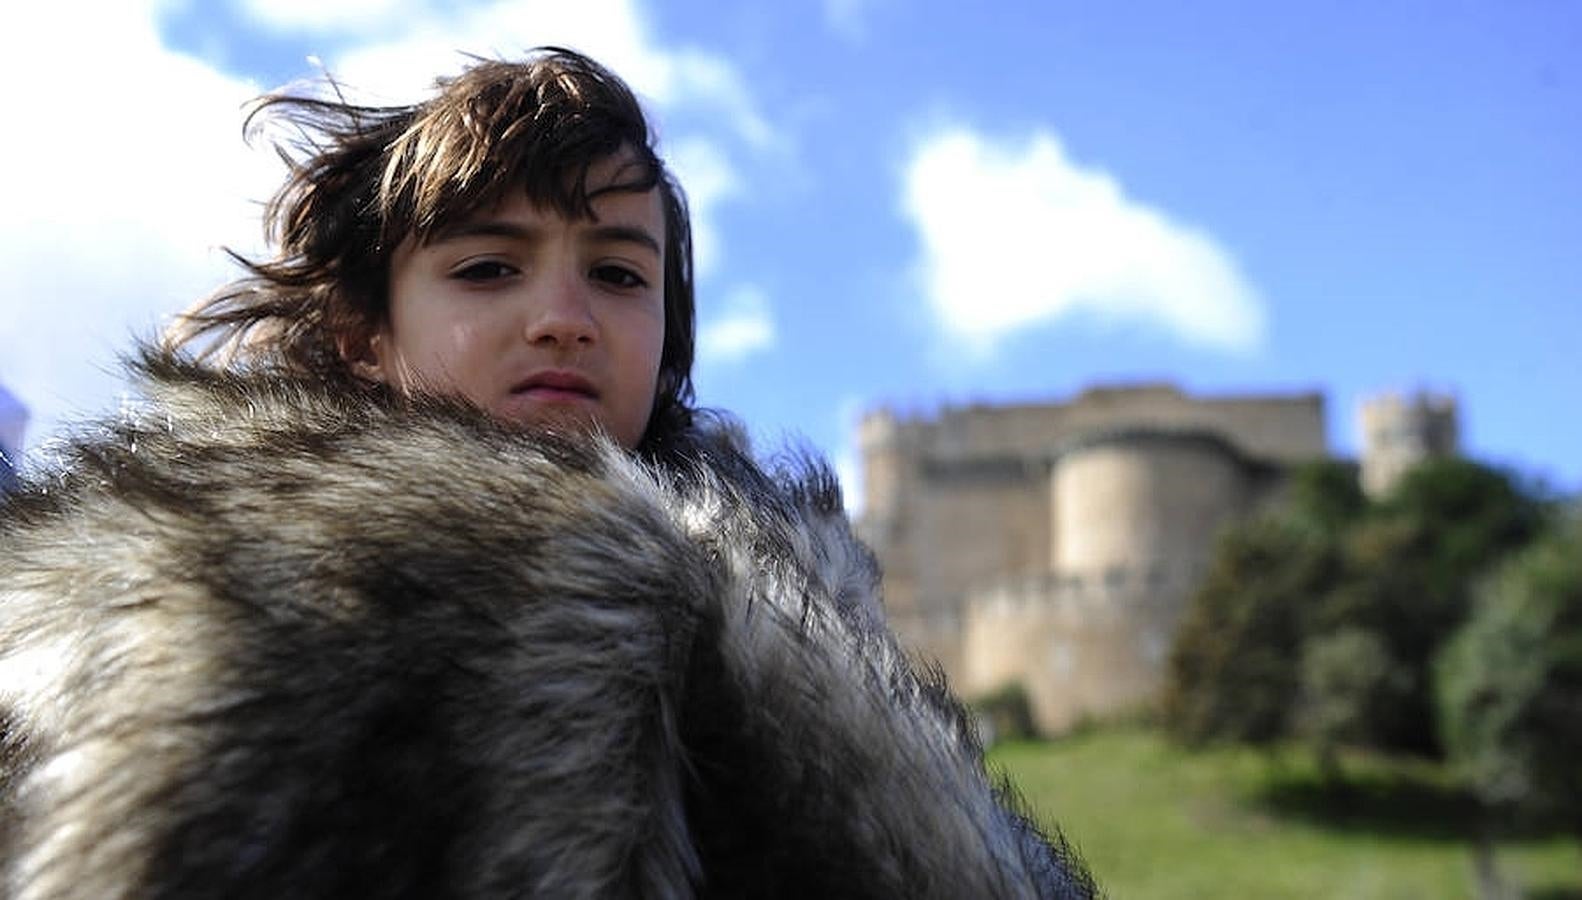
(484, 271)
(618, 276)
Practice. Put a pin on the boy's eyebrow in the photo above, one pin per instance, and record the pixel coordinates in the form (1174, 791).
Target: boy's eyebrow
(632, 234)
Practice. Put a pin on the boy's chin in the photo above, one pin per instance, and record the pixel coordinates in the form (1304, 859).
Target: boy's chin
(562, 420)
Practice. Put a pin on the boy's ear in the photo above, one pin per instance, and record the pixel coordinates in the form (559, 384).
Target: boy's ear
(363, 353)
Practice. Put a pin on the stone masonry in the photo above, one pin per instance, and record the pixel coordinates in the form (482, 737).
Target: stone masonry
(1055, 545)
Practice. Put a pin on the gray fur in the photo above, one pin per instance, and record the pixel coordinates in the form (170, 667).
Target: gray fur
(265, 638)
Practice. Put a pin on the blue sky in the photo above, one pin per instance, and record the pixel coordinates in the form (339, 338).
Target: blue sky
(907, 203)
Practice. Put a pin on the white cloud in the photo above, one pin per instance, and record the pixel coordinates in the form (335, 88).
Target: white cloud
(677, 82)
(744, 327)
(404, 64)
(849, 18)
(131, 174)
(711, 81)
(708, 177)
(318, 15)
(128, 177)
(614, 32)
(1015, 234)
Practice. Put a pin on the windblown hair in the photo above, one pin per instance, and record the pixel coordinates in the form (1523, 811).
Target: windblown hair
(363, 179)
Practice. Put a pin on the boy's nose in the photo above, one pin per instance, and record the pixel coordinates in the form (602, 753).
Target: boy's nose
(560, 314)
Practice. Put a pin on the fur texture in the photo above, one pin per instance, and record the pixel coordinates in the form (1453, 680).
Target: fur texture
(263, 638)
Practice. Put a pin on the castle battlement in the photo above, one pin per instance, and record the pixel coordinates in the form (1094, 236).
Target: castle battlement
(1121, 590)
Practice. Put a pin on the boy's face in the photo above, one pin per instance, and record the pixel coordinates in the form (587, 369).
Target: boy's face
(536, 319)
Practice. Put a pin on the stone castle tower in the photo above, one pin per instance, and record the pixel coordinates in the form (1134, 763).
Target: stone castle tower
(1399, 431)
(1056, 545)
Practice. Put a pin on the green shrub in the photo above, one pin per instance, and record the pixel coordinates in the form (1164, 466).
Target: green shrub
(1005, 714)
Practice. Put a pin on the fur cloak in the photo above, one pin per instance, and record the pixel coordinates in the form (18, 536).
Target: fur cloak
(260, 638)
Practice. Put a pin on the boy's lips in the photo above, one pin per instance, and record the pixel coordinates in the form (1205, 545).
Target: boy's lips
(547, 391)
(551, 382)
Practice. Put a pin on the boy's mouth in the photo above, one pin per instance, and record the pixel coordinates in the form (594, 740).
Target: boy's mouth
(552, 384)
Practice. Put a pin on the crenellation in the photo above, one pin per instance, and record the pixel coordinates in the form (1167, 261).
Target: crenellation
(1046, 593)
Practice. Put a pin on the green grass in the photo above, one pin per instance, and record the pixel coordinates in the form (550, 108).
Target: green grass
(1156, 821)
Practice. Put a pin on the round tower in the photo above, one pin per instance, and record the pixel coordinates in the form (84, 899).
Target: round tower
(1143, 499)
(1134, 516)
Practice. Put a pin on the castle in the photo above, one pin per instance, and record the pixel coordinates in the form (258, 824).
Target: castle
(1055, 546)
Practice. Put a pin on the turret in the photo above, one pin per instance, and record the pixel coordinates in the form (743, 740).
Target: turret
(1398, 432)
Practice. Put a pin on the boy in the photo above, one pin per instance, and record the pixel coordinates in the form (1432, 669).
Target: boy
(536, 186)
(438, 587)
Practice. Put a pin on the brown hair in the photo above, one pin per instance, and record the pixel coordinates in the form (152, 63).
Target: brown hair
(364, 178)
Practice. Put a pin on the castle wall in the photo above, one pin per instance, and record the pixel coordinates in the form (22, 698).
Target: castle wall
(931, 638)
(1284, 430)
(978, 526)
(1287, 428)
(1080, 647)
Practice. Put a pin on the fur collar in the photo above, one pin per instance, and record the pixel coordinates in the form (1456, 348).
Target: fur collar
(261, 637)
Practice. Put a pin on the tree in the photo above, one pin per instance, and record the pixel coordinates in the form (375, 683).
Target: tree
(1350, 686)
(1321, 618)
(1234, 664)
(1407, 570)
(1325, 495)
(1235, 667)
(1509, 685)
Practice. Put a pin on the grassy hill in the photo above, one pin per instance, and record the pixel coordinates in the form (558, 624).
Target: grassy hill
(1156, 821)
